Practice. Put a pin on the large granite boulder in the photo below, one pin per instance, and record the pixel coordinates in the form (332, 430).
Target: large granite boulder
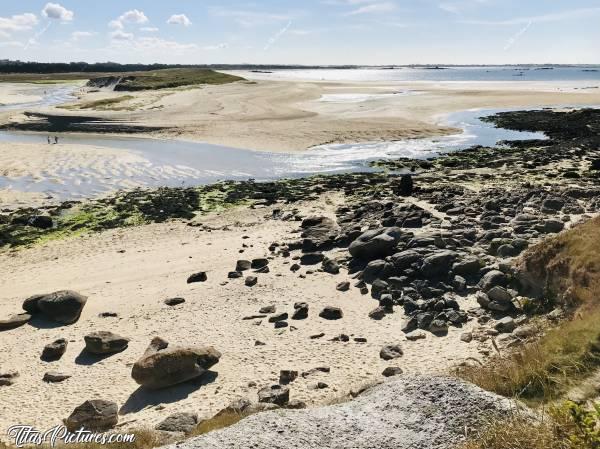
(408, 412)
(318, 232)
(438, 264)
(96, 415)
(162, 366)
(64, 306)
(375, 244)
(104, 342)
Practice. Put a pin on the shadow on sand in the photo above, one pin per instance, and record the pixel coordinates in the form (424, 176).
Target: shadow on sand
(143, 397)
(39, 321)
(85, 358)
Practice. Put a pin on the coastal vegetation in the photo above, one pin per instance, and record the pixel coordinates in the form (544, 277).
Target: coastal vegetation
(172, 78)
(566, 268)
(130, 80)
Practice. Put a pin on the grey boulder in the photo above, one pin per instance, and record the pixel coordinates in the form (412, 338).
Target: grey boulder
(184, 422)
(274, 394)
(96, 415)
(55, 350)
(64, 306)
(104, 342)
(375, 244)
(390, 352)
(162, 366)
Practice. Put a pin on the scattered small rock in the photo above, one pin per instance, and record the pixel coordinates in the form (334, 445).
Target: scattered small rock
(54, 351)
(390, 352)
(197, 277)
(275, 394)
(55, 377)
(331, 313)
(104, 342)
(8, 378)
(391, 371)
(174, 301)
(251, 281)
(343, 286)
(287, 376)
(300, 311)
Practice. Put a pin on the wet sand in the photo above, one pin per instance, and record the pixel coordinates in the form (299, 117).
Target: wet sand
(287, 116)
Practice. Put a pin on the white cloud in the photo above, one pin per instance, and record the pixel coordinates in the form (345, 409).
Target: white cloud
(373, 8)
(120, 35)
(149, 29)
(57, 12)
(77, 35)
(20, 22)
(179, 19)
(132, 16)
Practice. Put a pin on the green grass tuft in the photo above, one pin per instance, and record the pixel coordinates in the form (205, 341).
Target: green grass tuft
(173, 78)
(544, 370)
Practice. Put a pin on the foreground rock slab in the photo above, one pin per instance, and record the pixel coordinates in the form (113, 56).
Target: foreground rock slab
(14, 321)
(163, 366)
(409, 412)
(95, 415)
(104, 342)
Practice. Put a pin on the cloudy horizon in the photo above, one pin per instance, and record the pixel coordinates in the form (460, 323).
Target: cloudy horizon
(317, 32)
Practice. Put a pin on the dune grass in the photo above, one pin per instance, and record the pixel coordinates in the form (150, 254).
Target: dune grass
(544, 370)
(568, 269)
(172, 78)
(517, 433)
(219, 421)
(565, 426)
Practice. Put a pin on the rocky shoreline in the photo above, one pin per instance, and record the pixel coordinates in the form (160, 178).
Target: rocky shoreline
(420, 244)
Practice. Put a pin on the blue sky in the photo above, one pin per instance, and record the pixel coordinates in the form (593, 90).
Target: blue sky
(303, 32)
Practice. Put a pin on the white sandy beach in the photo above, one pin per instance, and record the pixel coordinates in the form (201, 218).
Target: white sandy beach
(132, 271)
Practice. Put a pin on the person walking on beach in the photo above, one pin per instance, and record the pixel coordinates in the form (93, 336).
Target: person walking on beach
(48, 140)
(55, 140)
